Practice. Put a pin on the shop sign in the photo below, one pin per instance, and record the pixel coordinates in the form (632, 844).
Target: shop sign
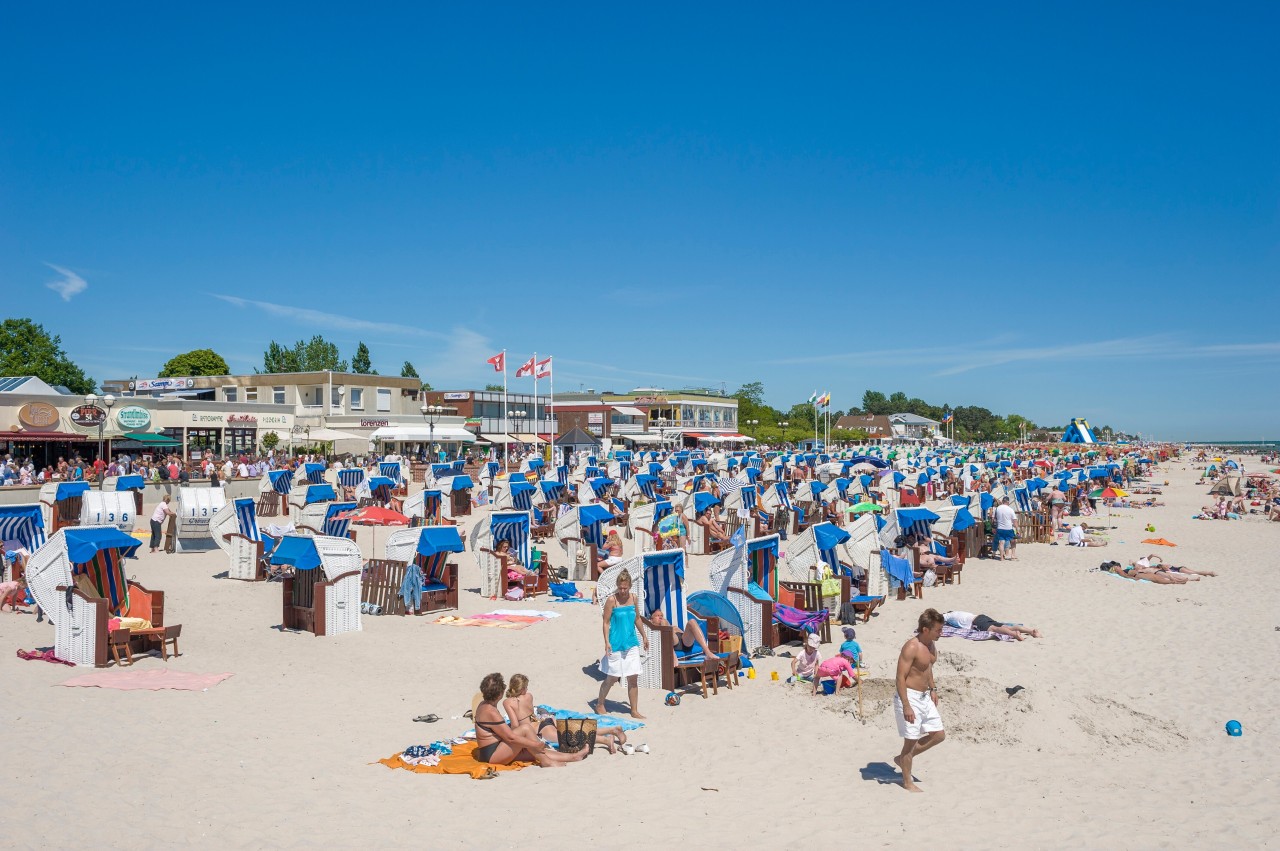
(596, 419)
(89, 416)
(274, 419)
(208, 419)
(162, 384)
(242, 418)
(650, 400)
(374, 423)
(596, 430)
(456, 397)
(38, 416)
(134, 418)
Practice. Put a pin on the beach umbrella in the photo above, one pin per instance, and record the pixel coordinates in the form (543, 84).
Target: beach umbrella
(375, 515)
(1108, 493)
(863, 508)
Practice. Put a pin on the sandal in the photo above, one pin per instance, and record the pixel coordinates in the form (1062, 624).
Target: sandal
(489, 774)
(430, 719)
(468, 715)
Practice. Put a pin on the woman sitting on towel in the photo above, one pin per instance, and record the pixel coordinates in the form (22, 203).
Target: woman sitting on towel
(501, 744)
(521, 712)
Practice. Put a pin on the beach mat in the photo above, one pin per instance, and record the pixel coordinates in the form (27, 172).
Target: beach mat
(147, 680)
(493, 620)
(461, 761)
(1159, 542)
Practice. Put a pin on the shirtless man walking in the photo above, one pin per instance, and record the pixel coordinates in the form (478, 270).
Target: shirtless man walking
(915, 703)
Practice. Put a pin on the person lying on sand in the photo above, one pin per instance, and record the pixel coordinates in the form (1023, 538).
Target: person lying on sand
(1132, 571)
(1154, 562)
(983, 623)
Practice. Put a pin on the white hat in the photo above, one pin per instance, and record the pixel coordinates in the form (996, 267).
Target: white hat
(813, 640)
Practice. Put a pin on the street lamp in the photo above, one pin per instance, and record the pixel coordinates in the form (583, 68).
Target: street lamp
(753, 424)
(432, 414)
(784, 425)
(519, 417)
(108, 401)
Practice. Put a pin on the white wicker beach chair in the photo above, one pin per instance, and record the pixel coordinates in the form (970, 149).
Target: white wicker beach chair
(196, 507)
(109, 508)
(328, 604)
(512, 526)
(24, 524)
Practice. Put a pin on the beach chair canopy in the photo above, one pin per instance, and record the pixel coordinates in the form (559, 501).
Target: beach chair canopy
(376, 482)
(439, 539)
(390, 469)
(24, 524)
(84, 544)
(551, 488)
(703, 500)
(350, 477)
(314, 473)
(712, 604)
(247, 518)
(664, 585)
(461, 483)
(68, 490)
(522, 495)
(441, 470)
(828, 536)
(130, 483)
(320, 493)
(281, 480)
(296, 551)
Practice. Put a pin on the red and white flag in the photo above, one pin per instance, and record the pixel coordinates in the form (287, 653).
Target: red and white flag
(542, 369)
(525, 370)
(498, 361)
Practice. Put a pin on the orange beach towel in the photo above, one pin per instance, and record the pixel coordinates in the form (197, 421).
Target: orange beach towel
(1160, 542)
(461, 761)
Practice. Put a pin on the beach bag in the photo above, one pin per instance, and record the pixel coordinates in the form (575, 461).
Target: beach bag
(929, 578)
(515, 592)
(574, 734)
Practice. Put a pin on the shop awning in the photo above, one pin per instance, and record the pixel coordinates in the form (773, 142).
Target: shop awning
(325, 435)
(643, 437)
(629, 412)
(529, 438)
(499, 438)
(46, 437)
(424, 433)
(149, 439)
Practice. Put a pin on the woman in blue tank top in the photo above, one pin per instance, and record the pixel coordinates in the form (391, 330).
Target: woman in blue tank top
(623, 638)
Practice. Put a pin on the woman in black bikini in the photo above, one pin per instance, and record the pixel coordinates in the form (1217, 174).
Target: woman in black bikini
(500, 744)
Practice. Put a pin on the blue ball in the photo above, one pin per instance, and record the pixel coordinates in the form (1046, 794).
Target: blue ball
(1234, 728)
(672, 699)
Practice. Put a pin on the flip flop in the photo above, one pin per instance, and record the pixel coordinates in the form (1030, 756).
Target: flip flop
(642, 748)
(468, 714)
(430, 719)
(489, 774)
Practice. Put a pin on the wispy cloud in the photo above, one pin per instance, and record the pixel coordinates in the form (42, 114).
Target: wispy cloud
(320, 319)
(957, 359)
(619, 372)
(70, 284)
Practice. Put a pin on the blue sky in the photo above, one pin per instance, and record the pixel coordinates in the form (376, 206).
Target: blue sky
(1056, 211)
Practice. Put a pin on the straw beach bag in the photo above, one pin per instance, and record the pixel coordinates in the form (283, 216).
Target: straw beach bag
(574, 734)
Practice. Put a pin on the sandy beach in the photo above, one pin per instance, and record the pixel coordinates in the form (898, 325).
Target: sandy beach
(1115, 740)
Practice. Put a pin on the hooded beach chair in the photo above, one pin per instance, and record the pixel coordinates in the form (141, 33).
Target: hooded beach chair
(700, 543)
(308, 495)
(512, 527)
(425, 507)
(763, 597)
(313, 473)
(22, 533)
(322, 595)
(349, 480)
(134, 486)
(62, 503)
(109, 508)
(331, 518)
(581, 534)
(236, 531)
(194, 514)
(273, 493)
(657, 582)
(416, 573)
(456, 492)
(643, 521)
(77, 577)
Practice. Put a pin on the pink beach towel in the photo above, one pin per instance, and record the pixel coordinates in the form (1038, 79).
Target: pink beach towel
(148, 680)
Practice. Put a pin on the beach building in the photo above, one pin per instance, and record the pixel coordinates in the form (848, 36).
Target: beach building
(878, 426)
(914, 427)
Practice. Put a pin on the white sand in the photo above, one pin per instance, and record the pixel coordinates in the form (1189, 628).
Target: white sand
(1116, 741)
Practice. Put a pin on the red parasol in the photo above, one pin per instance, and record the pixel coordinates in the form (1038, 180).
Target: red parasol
(375, 515)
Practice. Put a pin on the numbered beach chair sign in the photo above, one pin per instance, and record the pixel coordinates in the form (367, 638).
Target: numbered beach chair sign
(109, 508)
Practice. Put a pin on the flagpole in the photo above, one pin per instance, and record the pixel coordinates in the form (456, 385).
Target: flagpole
(506, 425)
(535, 396)
(551, 426)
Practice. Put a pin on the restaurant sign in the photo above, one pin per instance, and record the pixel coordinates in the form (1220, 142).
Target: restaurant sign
(374, 423)
(456, 397)
(88, 415)
(162, 384)
(38, 416)
(241, 418)
(134, 418)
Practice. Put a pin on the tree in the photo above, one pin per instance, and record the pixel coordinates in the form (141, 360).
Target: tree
(196, 362)
(27, 349)
(426, 387)
(270, 440)
(752, 393)
(494, 388)
(360, 362)
(875, 402)
(407, 371)
(314, 355)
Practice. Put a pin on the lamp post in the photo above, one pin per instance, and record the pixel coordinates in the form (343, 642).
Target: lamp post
(784, 425)
(753, 424)
(432, 414)
(519, 417)
(108, 402)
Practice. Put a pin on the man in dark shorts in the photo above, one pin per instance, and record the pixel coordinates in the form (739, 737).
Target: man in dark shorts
(983, 623)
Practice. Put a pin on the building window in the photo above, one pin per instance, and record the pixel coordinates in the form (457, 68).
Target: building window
(384, 401)
(357, 398)
(241, 441)
(277, 395)
(251, 394)
(230, 393)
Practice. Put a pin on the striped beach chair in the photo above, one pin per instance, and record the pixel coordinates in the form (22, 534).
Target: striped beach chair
(510, 526)
(21, 533)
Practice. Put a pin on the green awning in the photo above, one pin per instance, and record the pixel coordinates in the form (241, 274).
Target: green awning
(149, 439)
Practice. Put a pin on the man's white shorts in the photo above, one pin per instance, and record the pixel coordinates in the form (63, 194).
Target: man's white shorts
(926, 711)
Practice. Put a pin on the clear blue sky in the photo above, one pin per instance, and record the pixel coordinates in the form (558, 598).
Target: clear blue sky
(1056, 211)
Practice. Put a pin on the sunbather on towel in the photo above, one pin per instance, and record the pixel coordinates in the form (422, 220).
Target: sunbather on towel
(1077, 537)
(983, 623)
(1159, 577)
(1154, 561)
(521, 713)
(501, 744)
